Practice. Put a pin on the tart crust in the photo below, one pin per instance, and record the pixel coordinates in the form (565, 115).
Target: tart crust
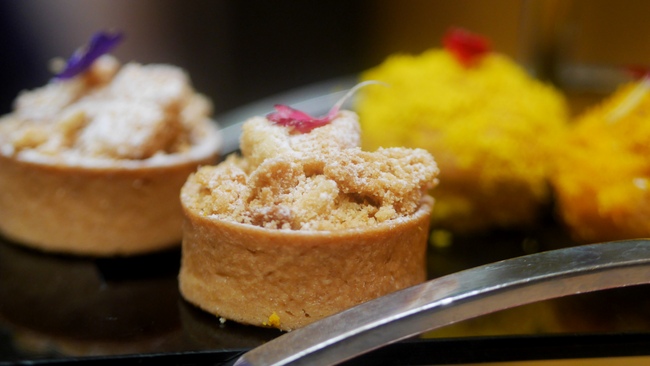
(288, 279)
(98, 208)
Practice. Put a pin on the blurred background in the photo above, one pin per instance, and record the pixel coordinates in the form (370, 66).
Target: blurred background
(238, 51)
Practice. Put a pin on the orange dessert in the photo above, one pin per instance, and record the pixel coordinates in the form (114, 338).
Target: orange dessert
(93, 164)
(602, 182)
(304, 224)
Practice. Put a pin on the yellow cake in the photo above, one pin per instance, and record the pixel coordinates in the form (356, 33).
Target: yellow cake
(93, 164)
(602, 181)
(304, 224)
(491, 127)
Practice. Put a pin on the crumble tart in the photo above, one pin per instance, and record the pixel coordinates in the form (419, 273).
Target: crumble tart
(304, 224)
(93, 164)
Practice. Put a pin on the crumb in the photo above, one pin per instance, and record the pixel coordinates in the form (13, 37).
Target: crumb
(441, 238)
(274, 321)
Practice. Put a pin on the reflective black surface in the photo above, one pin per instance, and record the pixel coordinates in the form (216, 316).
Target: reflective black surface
(55, 308)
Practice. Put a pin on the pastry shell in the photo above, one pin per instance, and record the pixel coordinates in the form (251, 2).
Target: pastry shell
(288, 279)
(96, 207)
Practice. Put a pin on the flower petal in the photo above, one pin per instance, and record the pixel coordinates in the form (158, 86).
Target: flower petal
(303, 122)
(100, 44)
(468, 48)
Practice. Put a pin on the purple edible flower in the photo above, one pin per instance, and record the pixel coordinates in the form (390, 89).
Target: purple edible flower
(80, 61)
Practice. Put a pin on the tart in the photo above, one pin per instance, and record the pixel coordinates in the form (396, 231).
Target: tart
(93, 164)
(491, 126)
(304, 223)
(602, 179)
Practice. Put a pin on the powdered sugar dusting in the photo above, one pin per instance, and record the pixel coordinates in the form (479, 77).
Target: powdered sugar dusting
(318, 181)
(110, 116)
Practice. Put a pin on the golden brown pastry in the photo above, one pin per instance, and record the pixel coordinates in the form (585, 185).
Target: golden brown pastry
(93, 164)
(304, 224)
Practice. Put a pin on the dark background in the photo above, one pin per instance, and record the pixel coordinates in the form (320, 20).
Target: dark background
(234, 51)
(239, 51)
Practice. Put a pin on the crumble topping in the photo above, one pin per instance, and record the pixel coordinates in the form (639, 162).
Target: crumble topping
(111, 111)
(319, 180)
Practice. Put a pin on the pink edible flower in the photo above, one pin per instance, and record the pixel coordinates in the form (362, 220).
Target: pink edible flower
(303, 122)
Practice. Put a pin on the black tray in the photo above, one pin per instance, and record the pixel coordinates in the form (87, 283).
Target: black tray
(57, 309)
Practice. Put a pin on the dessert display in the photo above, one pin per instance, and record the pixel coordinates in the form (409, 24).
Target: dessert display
(602, 178)
(491, 127)
(92, 163)
(304, 223)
